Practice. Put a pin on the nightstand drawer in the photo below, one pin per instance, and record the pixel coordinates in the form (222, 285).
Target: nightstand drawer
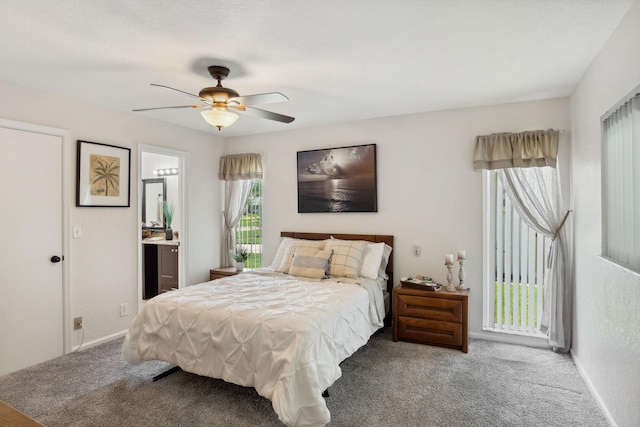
(446, 310)
(431, 331)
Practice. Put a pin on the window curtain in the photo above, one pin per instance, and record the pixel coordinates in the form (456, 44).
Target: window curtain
(534, 190)
(237, 171)
(536, 196)
(522, 150)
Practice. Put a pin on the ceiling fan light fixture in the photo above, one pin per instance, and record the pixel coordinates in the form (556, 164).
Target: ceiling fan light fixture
(222, 99)
(219, 118)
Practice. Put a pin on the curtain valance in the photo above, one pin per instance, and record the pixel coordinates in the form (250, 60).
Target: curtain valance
(240, 167)
(522, 150)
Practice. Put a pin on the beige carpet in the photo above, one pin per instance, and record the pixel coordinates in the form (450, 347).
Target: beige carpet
(383, 384)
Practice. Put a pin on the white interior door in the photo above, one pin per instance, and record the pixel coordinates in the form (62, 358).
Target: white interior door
(31, 308)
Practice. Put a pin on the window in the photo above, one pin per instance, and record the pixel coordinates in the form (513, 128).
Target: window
(515, 265)
(621, 182)
(249, 229)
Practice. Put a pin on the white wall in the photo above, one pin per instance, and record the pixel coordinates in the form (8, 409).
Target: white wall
(606, 343)
(102, 265)
(428, 192)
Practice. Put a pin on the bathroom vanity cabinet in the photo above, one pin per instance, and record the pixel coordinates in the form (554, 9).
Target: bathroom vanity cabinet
(159, 267)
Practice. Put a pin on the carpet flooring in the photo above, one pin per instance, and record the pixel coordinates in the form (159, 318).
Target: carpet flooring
(383, 384)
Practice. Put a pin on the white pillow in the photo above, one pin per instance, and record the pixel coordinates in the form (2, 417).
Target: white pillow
(346, 260)
(372, 260)
(385, 260)
(291, 248)
(277, 259)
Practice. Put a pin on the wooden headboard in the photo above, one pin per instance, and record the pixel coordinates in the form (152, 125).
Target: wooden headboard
(375, 238)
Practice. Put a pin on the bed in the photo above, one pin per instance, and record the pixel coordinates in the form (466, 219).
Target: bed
(281, 329)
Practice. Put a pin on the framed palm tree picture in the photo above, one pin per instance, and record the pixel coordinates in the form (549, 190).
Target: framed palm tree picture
(103, 175)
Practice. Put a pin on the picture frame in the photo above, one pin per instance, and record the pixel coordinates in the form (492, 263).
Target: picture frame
(103, 175)
(342, 179)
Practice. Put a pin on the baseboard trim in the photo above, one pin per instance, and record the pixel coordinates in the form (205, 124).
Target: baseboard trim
(99, 341)
(511, 339)
(593, 390)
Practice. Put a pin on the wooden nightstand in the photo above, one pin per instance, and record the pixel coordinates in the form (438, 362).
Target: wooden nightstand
(431, 317)
(219, 273)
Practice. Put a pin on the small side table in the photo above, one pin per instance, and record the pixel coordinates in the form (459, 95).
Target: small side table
(431, 317)
(219, 273)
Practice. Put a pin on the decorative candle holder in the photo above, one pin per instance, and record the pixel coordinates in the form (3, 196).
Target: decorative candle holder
(461, 286)
(449, 286)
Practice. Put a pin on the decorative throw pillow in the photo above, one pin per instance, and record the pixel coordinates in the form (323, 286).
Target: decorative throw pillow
(291, 247)
(346, 260)
(372, 260)
(310, 262)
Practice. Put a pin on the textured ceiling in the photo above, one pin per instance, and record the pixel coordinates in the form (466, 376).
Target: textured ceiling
(336, 60)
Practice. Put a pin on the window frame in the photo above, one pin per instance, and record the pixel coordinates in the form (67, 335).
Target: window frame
(238, 233)
(490, 184)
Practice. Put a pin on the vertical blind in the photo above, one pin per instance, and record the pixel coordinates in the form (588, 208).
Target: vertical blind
(516, 293)
(621, 182)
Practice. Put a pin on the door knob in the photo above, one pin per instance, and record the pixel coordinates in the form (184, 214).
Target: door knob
(56, 258)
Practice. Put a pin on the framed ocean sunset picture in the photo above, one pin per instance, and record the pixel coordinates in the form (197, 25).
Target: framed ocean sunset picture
(338, 180)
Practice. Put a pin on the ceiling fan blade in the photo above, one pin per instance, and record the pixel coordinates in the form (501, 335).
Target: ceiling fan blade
(260, 98)
(181, 91)
(268, 115)
(175, 106)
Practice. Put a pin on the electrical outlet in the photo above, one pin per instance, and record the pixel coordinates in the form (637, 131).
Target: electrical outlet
(417, 250)
(124, 309)
(77, 323)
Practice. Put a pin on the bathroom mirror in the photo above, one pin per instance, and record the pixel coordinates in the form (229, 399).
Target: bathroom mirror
(154, 194)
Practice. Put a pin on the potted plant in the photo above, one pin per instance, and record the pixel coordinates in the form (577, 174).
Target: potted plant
(168, 217)
(240, 257)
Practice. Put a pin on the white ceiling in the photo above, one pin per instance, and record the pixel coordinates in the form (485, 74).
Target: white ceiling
(336, 60)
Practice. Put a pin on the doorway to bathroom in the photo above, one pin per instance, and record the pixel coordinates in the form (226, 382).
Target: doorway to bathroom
(162, 206)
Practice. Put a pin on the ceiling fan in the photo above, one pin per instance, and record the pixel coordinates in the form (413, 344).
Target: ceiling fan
(221, 102)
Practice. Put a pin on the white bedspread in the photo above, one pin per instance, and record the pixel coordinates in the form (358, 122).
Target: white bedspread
(283, 336)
